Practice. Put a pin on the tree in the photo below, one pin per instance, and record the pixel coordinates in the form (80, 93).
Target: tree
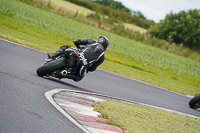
(138, 14)
(115, 4)
(183, 27)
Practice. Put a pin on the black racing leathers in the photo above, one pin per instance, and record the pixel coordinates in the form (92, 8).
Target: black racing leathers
(91, 56)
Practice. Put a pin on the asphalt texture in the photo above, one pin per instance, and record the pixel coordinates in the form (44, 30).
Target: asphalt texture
(24, 107)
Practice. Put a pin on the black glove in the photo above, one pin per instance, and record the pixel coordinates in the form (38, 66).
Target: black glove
(77, 42)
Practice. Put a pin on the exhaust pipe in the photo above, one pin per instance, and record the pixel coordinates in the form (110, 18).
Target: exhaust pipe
(64, 72)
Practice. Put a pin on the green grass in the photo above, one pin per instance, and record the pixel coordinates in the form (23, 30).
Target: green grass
(73, 7)
(46, 31)
(158, 80)
(82, 10)
(135, 28)
(142, 119)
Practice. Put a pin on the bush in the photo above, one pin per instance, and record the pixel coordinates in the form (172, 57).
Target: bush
(183, 27)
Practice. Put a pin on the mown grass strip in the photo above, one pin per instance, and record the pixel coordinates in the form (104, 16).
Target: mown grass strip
(73, 7)
(143, 119)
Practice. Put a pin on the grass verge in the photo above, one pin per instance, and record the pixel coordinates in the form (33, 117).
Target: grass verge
(139, 119)
(73, 7)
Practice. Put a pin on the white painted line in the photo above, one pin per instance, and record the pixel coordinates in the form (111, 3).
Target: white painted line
(81, 109)
(22, 45)
(72, 104)
(144, 82)
(49, 96)
(128, 101)
(94, 130)
(82, 112)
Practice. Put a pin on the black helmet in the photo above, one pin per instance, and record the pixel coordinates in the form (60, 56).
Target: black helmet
(104, 41)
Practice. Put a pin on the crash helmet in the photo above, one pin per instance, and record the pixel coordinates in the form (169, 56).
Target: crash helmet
(103, 41)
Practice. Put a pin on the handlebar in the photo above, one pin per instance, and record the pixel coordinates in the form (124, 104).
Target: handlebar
(78, 46)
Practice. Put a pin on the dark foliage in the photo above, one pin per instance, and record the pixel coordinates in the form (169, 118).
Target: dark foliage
(116, 4)
(183, 27)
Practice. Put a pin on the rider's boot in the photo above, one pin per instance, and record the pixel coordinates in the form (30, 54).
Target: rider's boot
(56, 54)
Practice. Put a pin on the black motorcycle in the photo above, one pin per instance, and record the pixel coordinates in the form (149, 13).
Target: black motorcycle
(195, 102)
(62, 66)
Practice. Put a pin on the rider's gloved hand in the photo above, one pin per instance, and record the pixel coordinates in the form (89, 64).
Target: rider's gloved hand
(77, 42)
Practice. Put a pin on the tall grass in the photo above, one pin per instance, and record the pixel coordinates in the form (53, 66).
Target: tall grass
(47, 31)
(145, 38)
(75, 12)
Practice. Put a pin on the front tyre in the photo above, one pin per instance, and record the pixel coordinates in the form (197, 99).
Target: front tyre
(195, 102)
(51, 67)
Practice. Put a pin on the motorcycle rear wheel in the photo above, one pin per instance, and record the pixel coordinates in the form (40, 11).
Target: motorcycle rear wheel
(51, 67)
(195, 102)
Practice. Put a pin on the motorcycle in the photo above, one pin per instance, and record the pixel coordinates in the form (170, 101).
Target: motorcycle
(195, 102)
(62, 66)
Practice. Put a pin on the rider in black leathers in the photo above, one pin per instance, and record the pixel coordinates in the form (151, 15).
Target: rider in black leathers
(91, 55)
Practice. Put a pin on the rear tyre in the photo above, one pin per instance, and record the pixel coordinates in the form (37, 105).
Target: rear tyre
(51, 67)
(195, 102)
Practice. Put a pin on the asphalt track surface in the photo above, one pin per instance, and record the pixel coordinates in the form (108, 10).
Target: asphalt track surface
(25, 109)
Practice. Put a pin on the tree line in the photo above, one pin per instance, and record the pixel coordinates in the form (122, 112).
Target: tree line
(180, 28)
(120, 6)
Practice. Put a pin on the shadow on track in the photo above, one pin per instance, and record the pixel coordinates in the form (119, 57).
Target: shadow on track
(67, 84)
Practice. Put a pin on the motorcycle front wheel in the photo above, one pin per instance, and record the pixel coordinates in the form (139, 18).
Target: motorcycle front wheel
(195, 102)
(51, 67)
